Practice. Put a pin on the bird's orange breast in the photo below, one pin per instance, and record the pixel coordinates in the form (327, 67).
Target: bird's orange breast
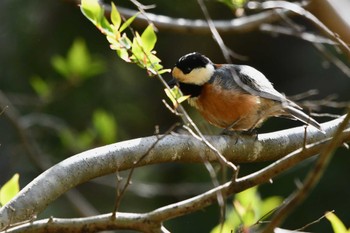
(224, 107)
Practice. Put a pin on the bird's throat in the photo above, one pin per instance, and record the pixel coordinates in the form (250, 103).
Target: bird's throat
(190, 89)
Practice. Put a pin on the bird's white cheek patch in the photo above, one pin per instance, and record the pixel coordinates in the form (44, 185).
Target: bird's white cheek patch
(178, 74)
(201, 75)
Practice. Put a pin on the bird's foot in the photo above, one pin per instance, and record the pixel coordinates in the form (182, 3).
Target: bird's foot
(251, 133)
(240, 134)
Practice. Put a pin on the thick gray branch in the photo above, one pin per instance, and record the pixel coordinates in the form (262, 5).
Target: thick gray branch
(91, 224)
(85, 166)
(200, 26)
(152, 221)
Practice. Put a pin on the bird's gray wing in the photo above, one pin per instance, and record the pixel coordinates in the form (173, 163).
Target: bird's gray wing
(251, 81)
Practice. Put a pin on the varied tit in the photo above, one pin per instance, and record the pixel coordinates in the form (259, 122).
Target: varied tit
(233, 97)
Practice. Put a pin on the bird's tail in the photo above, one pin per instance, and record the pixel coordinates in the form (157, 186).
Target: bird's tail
(301, 116)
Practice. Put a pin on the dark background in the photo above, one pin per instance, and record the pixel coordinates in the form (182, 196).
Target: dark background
(32, 32)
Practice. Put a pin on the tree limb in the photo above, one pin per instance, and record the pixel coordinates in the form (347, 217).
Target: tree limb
(199, 26)
(85, 166)
(310, 181)
(152, 221)
(91, 224)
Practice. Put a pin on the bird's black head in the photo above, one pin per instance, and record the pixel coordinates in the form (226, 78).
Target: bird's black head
(192, 61)
(193, 68)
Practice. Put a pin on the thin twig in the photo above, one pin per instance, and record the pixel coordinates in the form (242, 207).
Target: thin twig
(136, 163)
(187, 119)
(316, 40)
(142, 8)
(259, 177)
(3, 110)
(223, 161)
(152, 220)
(307, 36)
(311, 180)
(37, 157)
(226, 51)
(197, 26)
(172, 110)
(105, 160)
(31, 147)
(325, 102)
(304, 95)
(151, 190)
(213, 176)
(305, 136)
(313, 222)
(268, 5)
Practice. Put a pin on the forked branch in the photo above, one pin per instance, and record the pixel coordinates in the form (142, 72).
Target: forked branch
(181, 148)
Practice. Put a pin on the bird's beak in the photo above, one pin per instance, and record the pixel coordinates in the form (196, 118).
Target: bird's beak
(173, 82)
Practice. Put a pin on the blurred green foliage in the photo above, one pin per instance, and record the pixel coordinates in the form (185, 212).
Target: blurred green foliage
(234, 4)
(79, 64)
(175, 96)
(105, 126)
(9, 189)
(103, 131)
(75, 68)
(248, 209)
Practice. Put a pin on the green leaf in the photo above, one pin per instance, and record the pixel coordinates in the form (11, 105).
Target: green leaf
(162, 71)
(127, 23)
(95, 13)
(123, 54)
(152, 63)
(248, 209)
(115, 17)
(225, 228)
(92, 10)
(148, 38)
(175, 96)
(270, 203)
(78, 58)
(60, 65)
(337, 225)
(141, 46)
(41, 87)
(171, 96)
(138, 55)
(68, 139)
(125, 42)
(96, 67)
(76, 141)
(121, 46)
(104, 25)
(85, 139)
(79, 63)
(9, 189)
(105, 126)
(234, 4)
(247, 205)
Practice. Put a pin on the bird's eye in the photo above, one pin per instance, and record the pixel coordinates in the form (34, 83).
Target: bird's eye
(187, 70)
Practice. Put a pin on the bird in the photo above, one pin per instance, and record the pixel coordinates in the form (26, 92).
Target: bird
(233, 97)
